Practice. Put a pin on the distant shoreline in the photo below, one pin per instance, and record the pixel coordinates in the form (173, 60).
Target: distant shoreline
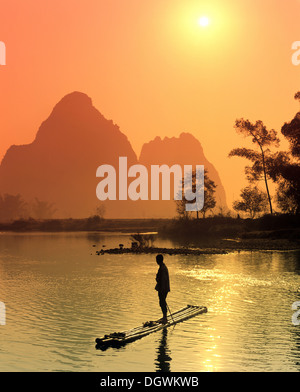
(219, 246)
(209, 235)
(169, 251)
(85, 224)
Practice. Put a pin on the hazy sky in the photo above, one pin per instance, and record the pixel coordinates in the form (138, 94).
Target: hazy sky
(150, 67)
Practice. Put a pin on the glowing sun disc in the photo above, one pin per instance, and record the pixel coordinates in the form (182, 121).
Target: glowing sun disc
(204, 21)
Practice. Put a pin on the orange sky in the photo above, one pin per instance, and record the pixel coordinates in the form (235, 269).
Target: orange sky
(150, 67)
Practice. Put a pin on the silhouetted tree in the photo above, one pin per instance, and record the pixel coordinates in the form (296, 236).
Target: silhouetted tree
(253, 201)
(262, 137)
(180, 209)
(43, 209)
(286, 173)
(209, 196)
(12, 207)
(288, 170)
(95, 219)
(100, 211)
(292, 132)
(285, 197)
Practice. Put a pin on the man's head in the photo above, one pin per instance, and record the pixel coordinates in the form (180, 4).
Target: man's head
(159, 259)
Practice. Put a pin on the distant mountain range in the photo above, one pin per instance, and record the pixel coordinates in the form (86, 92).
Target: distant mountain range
(59, 166)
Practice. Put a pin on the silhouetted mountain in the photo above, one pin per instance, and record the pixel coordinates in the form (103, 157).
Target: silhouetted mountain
(60, 165)
(184, 150)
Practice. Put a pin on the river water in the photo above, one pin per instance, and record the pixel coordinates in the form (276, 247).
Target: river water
(59, 296)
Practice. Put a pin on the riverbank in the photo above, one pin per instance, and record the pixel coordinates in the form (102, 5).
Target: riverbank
(169, 251)
(278, 232)
(213, 234)
(86, 224)
(217, 246)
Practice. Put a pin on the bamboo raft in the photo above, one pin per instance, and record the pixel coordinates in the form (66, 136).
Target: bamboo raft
(118, 339)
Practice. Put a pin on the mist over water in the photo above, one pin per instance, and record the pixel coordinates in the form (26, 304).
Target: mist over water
(59, 296)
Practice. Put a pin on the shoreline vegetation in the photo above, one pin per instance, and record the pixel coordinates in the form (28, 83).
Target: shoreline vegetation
(169, 251)
(216, 234)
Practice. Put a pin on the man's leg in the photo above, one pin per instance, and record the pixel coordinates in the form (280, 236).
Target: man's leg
(163, 304)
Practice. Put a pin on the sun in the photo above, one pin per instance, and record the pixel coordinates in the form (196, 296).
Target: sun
(204, 21)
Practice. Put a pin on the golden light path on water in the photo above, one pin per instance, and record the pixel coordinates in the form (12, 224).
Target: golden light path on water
(238, 304)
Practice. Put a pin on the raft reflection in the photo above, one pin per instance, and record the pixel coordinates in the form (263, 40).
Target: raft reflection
(162, 363)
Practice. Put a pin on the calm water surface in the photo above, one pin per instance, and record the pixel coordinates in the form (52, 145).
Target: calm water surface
(60, 296)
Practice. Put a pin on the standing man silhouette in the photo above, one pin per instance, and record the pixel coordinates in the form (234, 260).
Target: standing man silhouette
(162, 285)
